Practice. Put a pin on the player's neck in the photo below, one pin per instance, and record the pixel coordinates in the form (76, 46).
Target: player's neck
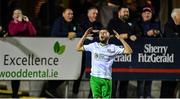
(103, 44)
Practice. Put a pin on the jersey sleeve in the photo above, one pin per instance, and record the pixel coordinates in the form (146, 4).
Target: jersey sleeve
(119, 49)
(89, 47)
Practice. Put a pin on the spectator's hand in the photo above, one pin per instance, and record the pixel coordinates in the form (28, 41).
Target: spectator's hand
(133, 38)
(124, 36)
(25, 18)
(71, 35)
(156, 32)
(150, 33)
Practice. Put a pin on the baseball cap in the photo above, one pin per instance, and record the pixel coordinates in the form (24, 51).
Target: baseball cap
(146, 9)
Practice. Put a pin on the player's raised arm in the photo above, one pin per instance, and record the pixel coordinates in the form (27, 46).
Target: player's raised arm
(127, 48)
(79, 46)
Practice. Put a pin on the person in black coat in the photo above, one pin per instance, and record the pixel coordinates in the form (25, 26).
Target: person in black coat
(172, 27)
(171, 30)
(125, 28)
(147, 25)
(63, 26)
(123, 24)
(89, 21)
(148, 28)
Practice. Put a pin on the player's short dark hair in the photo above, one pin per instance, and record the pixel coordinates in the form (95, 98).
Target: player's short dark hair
(103, 28)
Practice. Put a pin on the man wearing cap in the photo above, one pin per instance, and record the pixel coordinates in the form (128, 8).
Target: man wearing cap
(147, 25)
(148, 28)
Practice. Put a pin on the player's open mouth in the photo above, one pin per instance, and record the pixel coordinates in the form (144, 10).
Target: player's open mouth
(101, 37)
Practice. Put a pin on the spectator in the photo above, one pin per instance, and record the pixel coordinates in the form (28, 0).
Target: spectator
(122, 24)
(87, 22)
(151, 29)
(126, 29)
(63, 26)
(91, 21)
(172, 27)
(171, 30)
(147, 25)
(20, 25)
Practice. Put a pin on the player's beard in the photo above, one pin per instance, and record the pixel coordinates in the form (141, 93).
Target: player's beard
(104, 41)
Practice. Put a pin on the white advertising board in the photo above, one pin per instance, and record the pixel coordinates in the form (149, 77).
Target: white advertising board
(39, 59)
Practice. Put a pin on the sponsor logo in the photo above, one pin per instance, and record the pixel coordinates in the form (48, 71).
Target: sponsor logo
(59, 48)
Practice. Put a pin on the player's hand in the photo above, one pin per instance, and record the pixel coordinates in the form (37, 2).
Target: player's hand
(117, 35)
(95, 31)
(120, 36)
(88, 31)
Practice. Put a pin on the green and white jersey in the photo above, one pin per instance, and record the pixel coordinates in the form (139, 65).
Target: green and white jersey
(102, 57)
